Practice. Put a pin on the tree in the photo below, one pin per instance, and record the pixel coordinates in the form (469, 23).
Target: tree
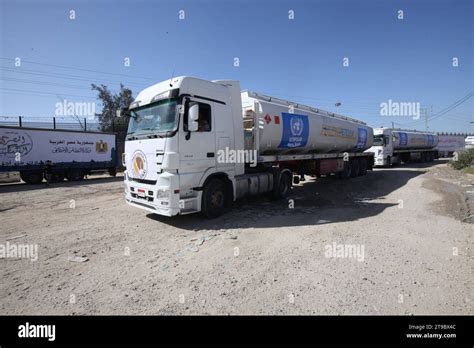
(111, 102)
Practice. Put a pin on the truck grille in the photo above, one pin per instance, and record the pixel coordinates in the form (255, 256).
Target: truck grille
(143, 181)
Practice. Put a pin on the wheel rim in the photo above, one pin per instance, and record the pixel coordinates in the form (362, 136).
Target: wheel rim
(217, 199)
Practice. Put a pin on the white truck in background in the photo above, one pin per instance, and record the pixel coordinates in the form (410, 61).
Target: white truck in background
(69, 154)
(469, 141)
(449, 144)
(196, 146)
(394, 146)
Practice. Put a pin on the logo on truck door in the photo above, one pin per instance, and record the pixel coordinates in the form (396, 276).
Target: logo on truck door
(139, 164)
(295, 130)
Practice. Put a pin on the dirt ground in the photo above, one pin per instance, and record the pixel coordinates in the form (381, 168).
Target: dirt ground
(414, 223)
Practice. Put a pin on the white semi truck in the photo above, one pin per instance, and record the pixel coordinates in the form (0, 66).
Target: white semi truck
(196, 146)
(394, 146)
(64, 153)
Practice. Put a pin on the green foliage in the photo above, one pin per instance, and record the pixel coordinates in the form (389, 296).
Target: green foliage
(111, 102)
(465, 159)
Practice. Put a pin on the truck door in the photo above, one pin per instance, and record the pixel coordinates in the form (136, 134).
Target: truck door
(197, 149)
(224, 131)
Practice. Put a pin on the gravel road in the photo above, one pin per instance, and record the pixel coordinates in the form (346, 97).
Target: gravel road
(398, 241)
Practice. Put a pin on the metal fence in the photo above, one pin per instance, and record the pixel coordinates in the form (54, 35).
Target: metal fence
(66, 123)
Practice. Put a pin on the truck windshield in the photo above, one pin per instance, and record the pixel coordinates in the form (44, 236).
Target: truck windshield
(378, 140)
(154, 118)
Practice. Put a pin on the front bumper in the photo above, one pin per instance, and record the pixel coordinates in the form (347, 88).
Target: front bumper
(162, 198)
(378, 162)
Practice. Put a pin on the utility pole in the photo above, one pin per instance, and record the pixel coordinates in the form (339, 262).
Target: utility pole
(426, 116)
(426, 112)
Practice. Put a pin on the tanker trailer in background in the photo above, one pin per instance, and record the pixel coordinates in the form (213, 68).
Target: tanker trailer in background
(394, 146)
(196, 146)
(449, 144)
(66, 154)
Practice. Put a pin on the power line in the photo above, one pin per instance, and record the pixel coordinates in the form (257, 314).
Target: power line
(80, 69)
(446, 109)
(452, 106)
(44, 83)
(40, 92)
(61, 76)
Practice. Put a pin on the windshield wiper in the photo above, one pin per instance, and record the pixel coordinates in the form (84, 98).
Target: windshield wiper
(150, 136)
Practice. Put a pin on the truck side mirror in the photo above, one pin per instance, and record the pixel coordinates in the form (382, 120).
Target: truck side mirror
(193, 117)
(122, 112)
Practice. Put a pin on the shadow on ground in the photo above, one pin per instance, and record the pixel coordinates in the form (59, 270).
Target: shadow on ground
(91, 180)
(316, 201)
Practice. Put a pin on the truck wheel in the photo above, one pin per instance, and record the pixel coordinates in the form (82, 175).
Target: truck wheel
(346, 172)
(113, 171)
(389, 162)
(355, 168)
(282, 187)
(32, 177)
(75, 175)
(214, 199)
(362, 166)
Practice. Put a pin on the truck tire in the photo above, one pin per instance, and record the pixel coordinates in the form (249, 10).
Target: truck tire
(346, 172)
(75, 175)
(214, 199)
(281, 186)
(362, 166)
(33, 177)
(355, 168)
(113, 172)
(389, 162)
(56, 177)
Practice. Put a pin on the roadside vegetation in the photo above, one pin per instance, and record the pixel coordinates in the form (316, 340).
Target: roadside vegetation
(465, 161)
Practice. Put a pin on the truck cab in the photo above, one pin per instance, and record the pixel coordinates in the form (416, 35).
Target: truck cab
(175, 130)
(382, 147)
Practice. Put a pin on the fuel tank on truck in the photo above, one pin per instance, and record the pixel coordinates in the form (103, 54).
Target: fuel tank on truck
(290, 128)
(412, 140)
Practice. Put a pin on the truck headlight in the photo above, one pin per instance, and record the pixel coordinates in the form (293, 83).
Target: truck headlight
(163, 194)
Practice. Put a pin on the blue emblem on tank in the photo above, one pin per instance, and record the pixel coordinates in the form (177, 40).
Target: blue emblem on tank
(403, 138)
(295, 131)
(361, 138)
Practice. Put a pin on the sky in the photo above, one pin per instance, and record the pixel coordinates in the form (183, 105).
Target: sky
(299, 58)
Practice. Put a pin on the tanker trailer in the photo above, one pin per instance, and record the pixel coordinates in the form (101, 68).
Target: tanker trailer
(196, 146)
(394, 146)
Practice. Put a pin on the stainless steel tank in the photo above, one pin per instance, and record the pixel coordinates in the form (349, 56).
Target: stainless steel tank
(289, 128)
(403, 139)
